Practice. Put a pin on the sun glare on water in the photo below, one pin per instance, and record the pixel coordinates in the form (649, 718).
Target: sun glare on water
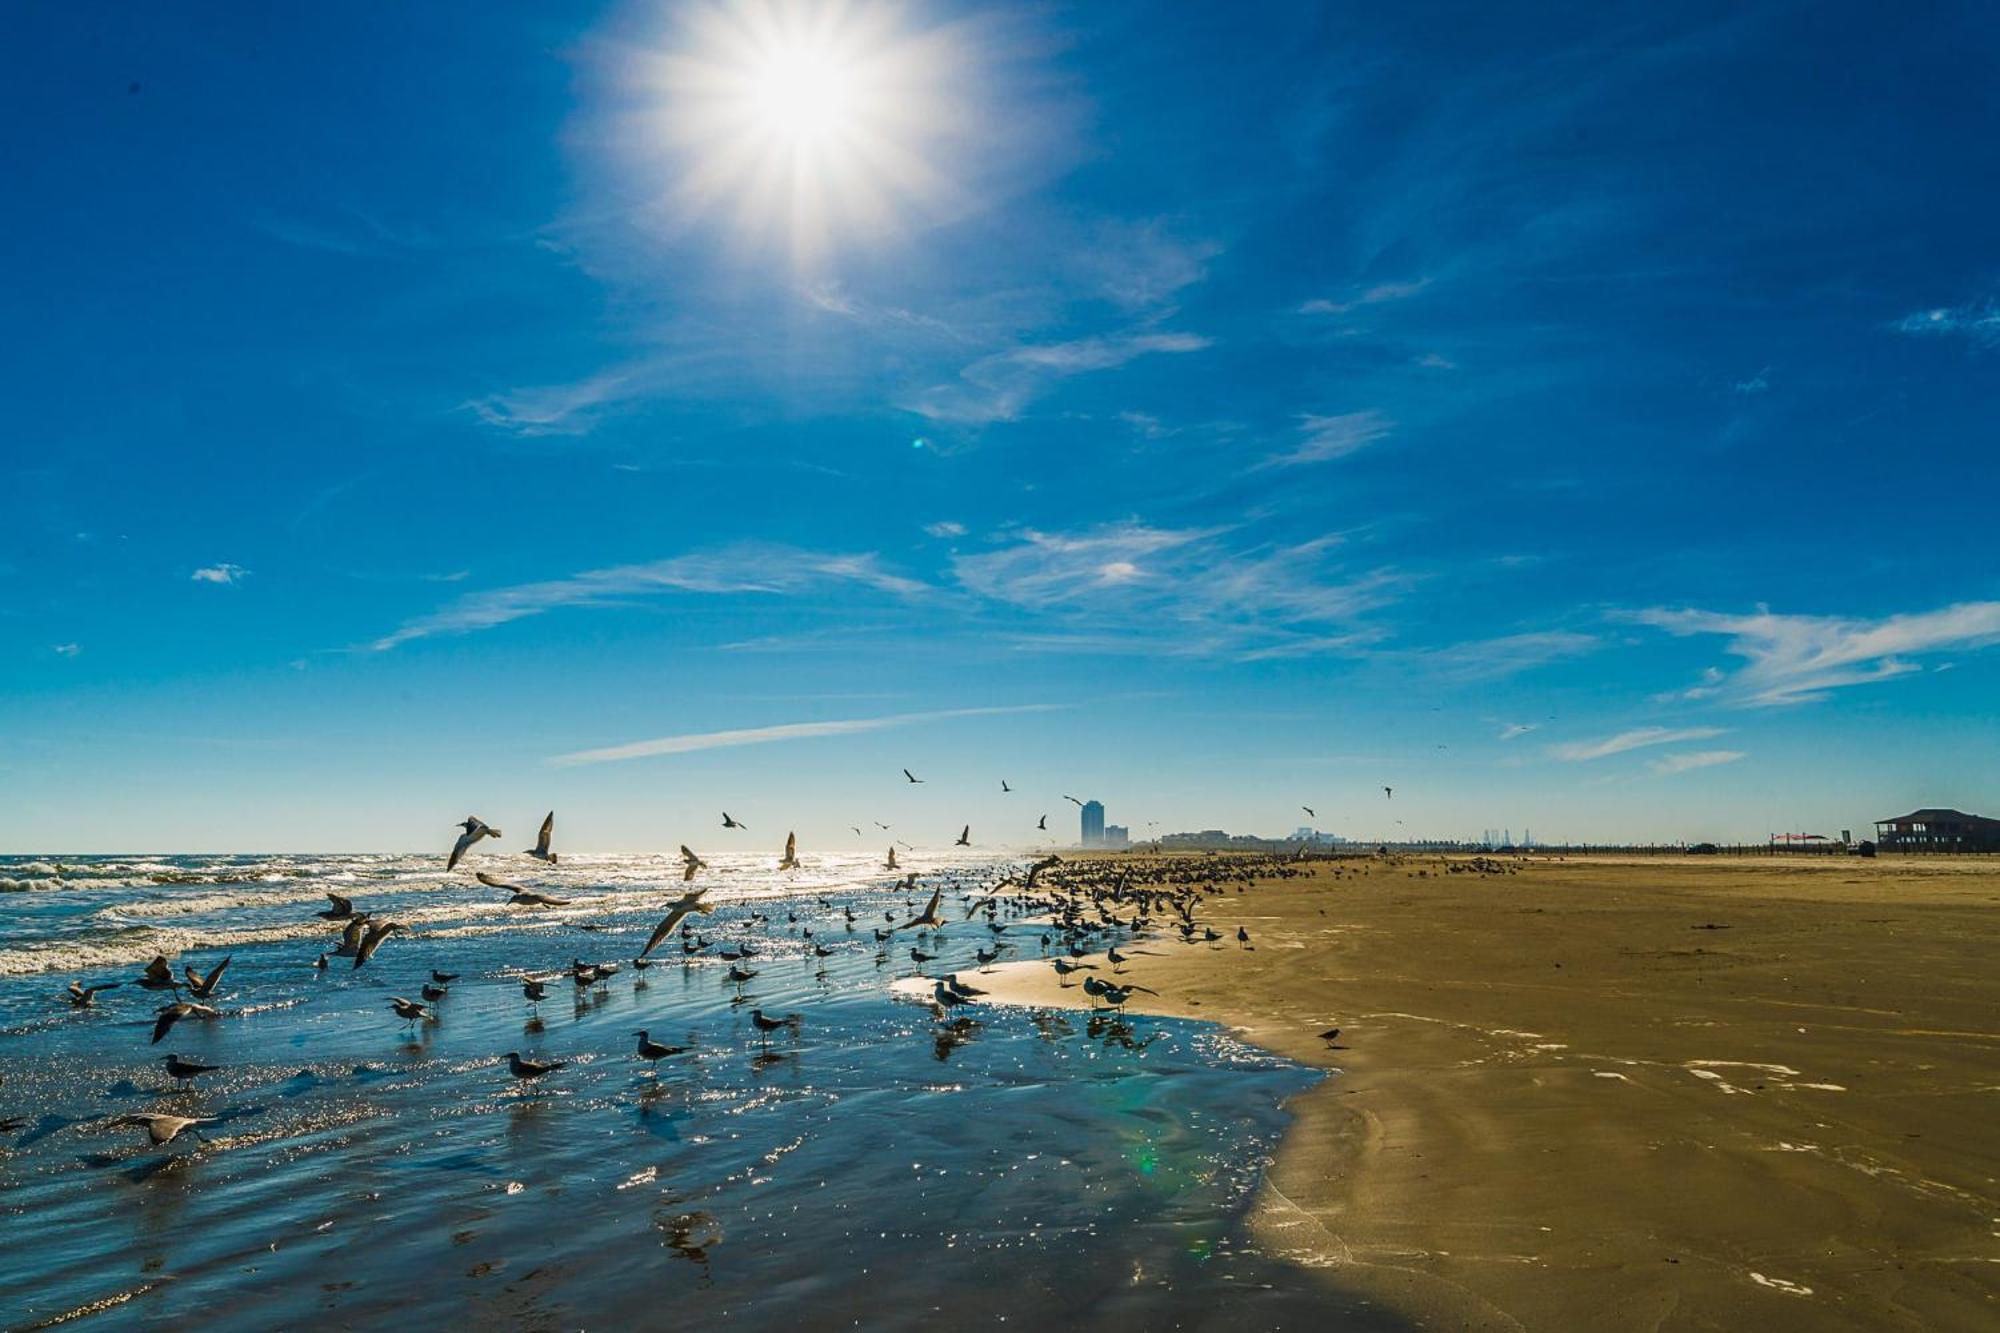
(814, 122)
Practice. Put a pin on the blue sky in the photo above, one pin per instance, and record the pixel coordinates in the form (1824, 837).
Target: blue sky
(1579, 421)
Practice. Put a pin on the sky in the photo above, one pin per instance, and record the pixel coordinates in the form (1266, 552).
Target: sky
(1576, 420)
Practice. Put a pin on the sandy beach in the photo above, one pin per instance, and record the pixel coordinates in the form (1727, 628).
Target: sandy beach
(1675, 1092)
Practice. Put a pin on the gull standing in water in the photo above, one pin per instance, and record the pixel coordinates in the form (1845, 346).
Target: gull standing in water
(529, 1070)
(652, 1051)
(410, 1011)
(475, 829)
(183, 1070)
(522, 897)
(677, 913)
(540, 851)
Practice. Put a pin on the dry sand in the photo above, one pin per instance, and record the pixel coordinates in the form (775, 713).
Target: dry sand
(1679, 1093)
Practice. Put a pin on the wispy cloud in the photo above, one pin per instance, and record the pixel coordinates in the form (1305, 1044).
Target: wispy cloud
(1979, 323)
(1000, 387)
(555, 409)
(945, 528)
(1379, 294)
(1636, 739)
(1795, 659)
(1497, 658)
(789, 731)
(1322, 438)
(1516, 729)
(1184, 590)
(223, 574)
(739, 569)
(1686, 761)
(67, 649)
(1140, 265)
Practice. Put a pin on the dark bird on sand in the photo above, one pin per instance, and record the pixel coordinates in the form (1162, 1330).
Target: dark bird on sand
(475, 829)
(183, 1070)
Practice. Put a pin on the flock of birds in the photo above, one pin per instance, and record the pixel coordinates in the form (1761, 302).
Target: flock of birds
(1074, 909)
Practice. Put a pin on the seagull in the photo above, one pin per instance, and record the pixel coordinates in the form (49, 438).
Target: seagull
(911, 776)
(443, 978)
(652, 1050)
(1071, 799)
(528, 1070)
(929, 916)
(767, 1024)
(677, 913)
(535, 989)
(690, 863)
(944, 997)
(857, 832)
(739, 975)
(341, 909)
(1330, 1036)
(919, 957)
(1388, 793)
(890, 864)
(81, 996)
(1242, 938)
(1004, 788)
(202, 987)
(540, 851)
(434, 992)
(350, 935)
(1043, 823)
(410, 1010)
(373, 940)
(727, 822)
(1310, 812)
(964, 837)
(522, 897)
(1038, 867)
(183, 1070)
(880, 825)
(475, 829)
(170, 1014)
(791, 858)
(158, 976)
(959, 988)
(164, 1129)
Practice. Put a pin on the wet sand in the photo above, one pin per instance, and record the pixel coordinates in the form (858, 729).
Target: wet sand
(1676, 1093)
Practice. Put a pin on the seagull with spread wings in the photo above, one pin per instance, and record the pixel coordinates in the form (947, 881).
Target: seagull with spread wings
(475, 829)
(677, 913)
(540, 851)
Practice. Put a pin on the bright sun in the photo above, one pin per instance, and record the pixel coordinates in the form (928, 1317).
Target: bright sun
(814, 119)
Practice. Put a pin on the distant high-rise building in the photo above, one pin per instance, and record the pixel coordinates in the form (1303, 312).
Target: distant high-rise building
(1117, 835)
(1093, 824)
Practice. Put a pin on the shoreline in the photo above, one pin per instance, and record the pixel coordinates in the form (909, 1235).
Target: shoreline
(1618, 1092)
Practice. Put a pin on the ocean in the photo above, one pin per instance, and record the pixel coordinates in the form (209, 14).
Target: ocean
(883, 1166)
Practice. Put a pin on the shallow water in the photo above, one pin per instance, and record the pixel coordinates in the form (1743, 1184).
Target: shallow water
(882, 1168)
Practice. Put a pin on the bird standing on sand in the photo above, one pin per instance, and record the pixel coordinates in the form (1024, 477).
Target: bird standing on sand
(80, 996)
(790, 860)
(529, 1070)
(475, 829)
(677, 913)
(1242, 938)
(163, 1129)
(182, 1070)
(1330, 1036)
(540, 851)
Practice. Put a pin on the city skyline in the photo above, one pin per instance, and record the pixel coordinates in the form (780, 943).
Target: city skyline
(1237, 410)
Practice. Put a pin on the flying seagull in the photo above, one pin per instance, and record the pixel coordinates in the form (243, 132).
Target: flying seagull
(540, 851)
(1388, 793)
(170, 1014)
(81, 996)
(911, 776)
(1071, 799)
(929, 916)
(373, 940)
(791, 858)
(522, 897)
(689, 902)
(690, 863)
(890, 864)
(964, 837)
(1004, 788)
(202, 987)
(1310, 812)
(163, 1129)
(727, 822)
(340, 910)
(158, 976)
(1043, 823)
(475, 829)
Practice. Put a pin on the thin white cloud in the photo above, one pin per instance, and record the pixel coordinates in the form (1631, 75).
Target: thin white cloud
(945, 528)
(1140, 265)
(223, 573)
(1979, 323)
(789, 731)
(1686, 761)
(1323, 438)
(1379, 294)
(1000, 387)
(1637, 738)
(740, 569)
(554, 409)
(67, 649)
(1179, 591)
(1793, 659)
(1514, 729)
